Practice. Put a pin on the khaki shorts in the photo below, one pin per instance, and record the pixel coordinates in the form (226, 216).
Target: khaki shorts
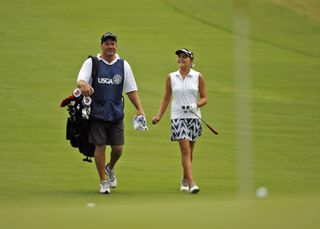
(106, 133)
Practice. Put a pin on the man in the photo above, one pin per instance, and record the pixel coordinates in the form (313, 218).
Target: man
(106, 121)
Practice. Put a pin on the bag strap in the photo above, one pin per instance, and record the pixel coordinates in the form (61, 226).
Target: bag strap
(95, 69)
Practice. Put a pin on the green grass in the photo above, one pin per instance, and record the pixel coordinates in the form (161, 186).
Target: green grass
(44, 183)
(219, 214)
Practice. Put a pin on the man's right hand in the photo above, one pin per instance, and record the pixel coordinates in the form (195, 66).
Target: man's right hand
(85, 88)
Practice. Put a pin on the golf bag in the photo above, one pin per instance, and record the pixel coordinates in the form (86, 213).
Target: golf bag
(77, 128)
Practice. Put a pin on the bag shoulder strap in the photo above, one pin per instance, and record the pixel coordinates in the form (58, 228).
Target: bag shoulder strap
(95, 69)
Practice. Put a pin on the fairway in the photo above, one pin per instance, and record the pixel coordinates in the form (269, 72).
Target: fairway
(261, 64)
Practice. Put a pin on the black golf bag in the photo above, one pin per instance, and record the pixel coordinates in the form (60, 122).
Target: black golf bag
(77, 128)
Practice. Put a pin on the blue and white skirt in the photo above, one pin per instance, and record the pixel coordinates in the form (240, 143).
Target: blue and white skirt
(185, 128)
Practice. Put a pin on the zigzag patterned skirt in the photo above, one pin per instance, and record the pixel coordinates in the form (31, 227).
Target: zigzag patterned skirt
(185, 128)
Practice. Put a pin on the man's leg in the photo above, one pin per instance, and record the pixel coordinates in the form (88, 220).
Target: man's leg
(116, 152)
(115, 155)
(100, 159)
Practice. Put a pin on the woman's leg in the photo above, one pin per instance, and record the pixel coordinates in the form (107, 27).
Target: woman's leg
(186, 160)
(192, 143)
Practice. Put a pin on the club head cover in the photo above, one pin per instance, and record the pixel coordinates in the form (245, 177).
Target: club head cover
(66, 101)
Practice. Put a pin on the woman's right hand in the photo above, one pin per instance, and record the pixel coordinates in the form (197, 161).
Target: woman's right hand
(155, 120)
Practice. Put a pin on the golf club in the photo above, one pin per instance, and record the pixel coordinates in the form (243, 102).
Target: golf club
(210, 128)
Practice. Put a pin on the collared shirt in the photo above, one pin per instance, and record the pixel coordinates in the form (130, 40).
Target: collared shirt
(184, 92)
(129, 83)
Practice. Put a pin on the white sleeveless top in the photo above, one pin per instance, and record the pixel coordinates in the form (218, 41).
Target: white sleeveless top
(184, 92)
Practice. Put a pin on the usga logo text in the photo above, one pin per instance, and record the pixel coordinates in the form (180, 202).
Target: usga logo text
(116, 79)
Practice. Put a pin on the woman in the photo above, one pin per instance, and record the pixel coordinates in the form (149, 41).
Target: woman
(184, 86)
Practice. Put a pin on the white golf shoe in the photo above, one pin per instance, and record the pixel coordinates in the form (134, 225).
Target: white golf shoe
(194, 189)
(104, 187)
(184, 186)
(111, 176)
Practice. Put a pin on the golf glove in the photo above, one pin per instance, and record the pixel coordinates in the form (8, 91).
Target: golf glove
(139, 122)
